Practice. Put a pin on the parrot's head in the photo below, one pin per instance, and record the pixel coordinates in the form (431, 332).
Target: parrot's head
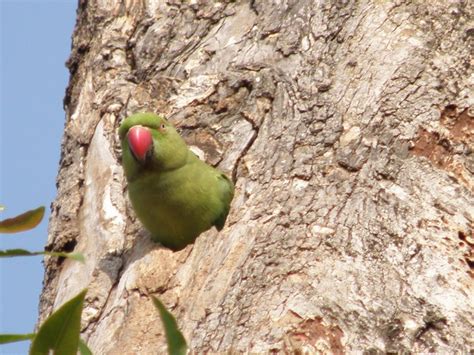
(150, 142)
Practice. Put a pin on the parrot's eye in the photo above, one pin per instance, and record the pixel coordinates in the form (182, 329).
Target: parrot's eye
(162, 127)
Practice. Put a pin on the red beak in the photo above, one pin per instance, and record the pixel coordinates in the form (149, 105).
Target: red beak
(139, 141)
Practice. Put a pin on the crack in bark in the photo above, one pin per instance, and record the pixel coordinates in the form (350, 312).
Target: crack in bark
(248, 146)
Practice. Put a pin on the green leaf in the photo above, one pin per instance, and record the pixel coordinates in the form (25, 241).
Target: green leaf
(15, 252)
(175, 339)
(83, 348)
(73, 256)
(12, 338)
(22, 252)
(60, 332)
(22, 222)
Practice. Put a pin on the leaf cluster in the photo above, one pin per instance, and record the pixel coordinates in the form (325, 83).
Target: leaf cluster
(60, 332)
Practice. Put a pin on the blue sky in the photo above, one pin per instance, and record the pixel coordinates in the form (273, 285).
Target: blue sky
(35, 40)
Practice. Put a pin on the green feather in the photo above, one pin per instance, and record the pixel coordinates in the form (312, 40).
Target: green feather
(175, 195)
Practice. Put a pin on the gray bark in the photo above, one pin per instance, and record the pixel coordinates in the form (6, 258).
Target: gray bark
(347, 127)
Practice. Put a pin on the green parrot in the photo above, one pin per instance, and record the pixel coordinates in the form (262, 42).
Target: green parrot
(175, 195)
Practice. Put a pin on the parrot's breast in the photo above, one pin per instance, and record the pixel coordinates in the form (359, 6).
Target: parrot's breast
(178, 205)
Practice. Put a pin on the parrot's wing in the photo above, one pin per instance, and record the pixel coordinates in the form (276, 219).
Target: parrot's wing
(226, 188)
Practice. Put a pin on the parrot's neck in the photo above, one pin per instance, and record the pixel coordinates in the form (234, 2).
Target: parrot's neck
(156, 169)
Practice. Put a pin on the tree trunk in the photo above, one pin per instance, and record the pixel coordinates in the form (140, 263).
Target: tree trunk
(347, 127)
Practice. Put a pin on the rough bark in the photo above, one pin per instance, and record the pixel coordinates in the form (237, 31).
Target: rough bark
(347, 127)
